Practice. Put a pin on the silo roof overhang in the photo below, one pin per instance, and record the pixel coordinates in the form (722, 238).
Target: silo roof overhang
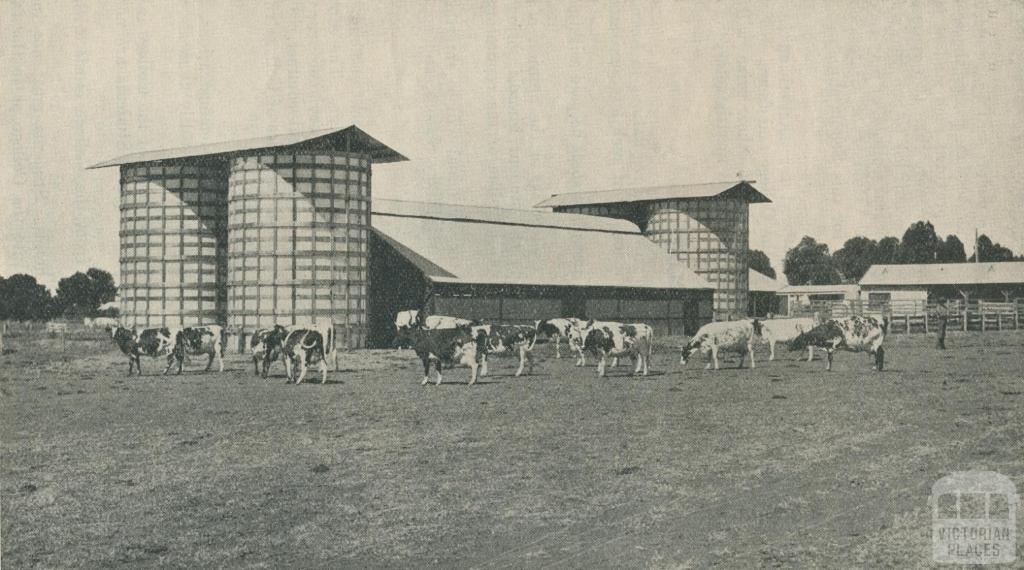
(351, 138)
(742, 190)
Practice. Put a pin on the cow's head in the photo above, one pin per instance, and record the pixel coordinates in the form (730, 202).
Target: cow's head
(758, 327)
(578, 333)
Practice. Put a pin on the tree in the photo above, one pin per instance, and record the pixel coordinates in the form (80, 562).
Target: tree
(82, 293)
(809, 263)
(952, 250)
(103, 288)
(888, 251)
(920, 244)
(22, 298)
(990, 251)
(759, 262)
(855, 257)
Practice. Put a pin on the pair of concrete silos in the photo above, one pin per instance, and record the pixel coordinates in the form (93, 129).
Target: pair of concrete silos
(250, 234)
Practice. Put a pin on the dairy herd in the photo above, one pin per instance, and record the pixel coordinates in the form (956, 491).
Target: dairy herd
(443, 342)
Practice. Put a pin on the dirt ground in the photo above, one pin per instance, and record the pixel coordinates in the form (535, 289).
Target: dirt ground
(782, 466)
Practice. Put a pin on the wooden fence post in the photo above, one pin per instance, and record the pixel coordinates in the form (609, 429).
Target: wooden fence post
(981, 309)
(926, 320)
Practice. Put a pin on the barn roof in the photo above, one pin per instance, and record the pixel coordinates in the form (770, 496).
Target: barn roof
(485, 248)
(999, 273)
(507, 216)
(742, 190)
(848, 290)
(335, 138)
(761, 283)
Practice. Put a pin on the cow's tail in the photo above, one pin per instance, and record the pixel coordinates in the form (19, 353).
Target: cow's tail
(885, 324)
(536, 333)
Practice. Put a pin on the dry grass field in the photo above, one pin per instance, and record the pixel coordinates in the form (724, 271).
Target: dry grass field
(782, 466)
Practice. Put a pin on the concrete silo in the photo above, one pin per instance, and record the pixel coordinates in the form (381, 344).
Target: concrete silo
(707, 226)
(298, 247)
(173, 239)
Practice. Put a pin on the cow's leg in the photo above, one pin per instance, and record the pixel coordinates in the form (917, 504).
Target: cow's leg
(771, 348)
(288, 364)
(743, 355)
(323, 370)
(810, 353)
(256, 365)
(646, 358)
(522, 360)
(714, 355)
(302, 367)
(209, 363)
(220, 357)
(639, 358)
(615, 362)
(558, 346)
(170, 362)
(426, 371)
(750, 348)
(828, 366)
(879, 358)
(439, 377)
(529, 358)
(483, 365)
(473, 366)
(138, 364)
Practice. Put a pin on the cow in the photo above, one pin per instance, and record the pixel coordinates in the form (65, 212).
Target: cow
(451, 346)
(731, 336)
(154, 342)
(855, 334)
(604, 339)
(303, 347)
(785, 330)
(507, 339)
(197, 340)
(557, 329)
(265, 346)
(643, 330)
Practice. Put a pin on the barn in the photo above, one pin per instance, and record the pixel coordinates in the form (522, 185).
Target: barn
(520, 266)
(284, 230)
(764, 299)
(923, 282)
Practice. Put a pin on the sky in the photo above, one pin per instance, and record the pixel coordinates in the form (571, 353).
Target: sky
(855, 118)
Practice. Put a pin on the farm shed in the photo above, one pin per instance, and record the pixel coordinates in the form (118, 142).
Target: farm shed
(522, 265)
(763, 294)
(250, 233)
(803, 299)
(996, 281)
(706, 226)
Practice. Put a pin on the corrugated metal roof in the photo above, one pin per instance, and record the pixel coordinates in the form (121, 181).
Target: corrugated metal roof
(847, 290)
(331, 137)
(502, 216)
(761, 283)
(480, 252)
(1004, 272)
(742, 189)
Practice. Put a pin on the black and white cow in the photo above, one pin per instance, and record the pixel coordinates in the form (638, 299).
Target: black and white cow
(604, 339)
(855, 334)
(197, 340)
(447, 346)
(731, 336)
(556, 330)
(510, 339)
(304, 347)
(154, 342)
(266, 345)
(785, 331)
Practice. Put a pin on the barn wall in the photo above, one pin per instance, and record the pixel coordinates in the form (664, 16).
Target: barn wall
(395, 285)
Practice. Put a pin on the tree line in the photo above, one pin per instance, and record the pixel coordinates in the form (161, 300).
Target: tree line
(23, 298)
(811, 263)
